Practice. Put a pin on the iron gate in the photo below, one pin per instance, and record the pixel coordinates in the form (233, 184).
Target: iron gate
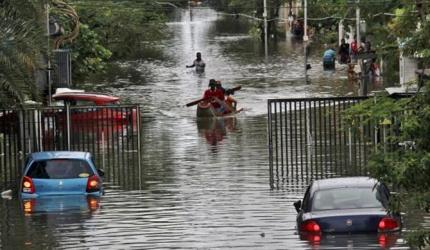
(308, 139)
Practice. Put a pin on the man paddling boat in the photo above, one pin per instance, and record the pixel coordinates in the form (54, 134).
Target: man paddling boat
(213, 104)
(215, 96)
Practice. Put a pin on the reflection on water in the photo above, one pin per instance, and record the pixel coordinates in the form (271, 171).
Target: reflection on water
(60, 204)
(215, 130)
(365, 241)
(202, 185)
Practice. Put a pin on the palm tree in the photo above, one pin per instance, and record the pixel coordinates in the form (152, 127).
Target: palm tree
(20, 51)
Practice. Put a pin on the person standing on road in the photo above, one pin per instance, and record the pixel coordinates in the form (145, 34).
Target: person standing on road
(198, 63)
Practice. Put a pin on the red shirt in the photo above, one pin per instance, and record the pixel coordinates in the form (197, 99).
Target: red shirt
(354, 48)
(219, 94)
(210, 93)
(214, 93)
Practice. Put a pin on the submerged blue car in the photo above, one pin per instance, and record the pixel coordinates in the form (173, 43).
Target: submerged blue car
(60, 173)
(345, 205)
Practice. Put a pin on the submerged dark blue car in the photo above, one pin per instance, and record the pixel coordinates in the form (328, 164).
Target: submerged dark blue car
(345, 205)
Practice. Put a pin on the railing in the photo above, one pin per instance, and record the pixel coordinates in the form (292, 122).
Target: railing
(110, 133)
(308, 139)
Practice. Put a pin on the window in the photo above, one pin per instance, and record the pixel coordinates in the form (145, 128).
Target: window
(347, 198)
(60, 169)
(305, 205)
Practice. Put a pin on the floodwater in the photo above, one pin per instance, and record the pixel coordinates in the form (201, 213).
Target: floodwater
(202, 185)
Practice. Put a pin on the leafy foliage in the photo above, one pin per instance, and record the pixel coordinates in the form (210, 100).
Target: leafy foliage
(88, 55)
(405, 161)
(124, 27)
(412, 26)
(20, 52)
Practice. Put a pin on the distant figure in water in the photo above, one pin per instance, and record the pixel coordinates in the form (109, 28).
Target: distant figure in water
(344, 52)
(198, 63)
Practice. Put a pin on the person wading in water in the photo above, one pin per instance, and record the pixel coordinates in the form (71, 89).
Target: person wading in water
(344, 52)
(329, 58)
(198, 63)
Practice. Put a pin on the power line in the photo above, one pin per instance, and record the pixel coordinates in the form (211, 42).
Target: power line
(115, 5)
(97, 3)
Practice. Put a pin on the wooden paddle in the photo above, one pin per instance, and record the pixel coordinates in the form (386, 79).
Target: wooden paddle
(204, 99)
(196, 101)
(235, 88)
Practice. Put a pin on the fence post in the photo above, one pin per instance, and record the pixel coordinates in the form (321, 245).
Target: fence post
(309, 138)
(21, 133)
(38, 129)
(68, 124)
(270, 146)
(139, 146)
(350, 146)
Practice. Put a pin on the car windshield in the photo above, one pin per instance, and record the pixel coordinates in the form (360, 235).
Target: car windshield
(60, 169)
(347, 198)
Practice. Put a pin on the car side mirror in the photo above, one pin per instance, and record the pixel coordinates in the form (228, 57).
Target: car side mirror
(298, 205)
(101, 172)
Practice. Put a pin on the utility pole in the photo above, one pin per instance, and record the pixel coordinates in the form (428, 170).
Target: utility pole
(265, 28)
(305, 32)
(357, 22)
(48, 55)
(305, 41)
(189, 9)
(363, 74)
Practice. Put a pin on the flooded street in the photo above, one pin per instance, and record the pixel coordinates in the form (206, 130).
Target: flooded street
(203, 184)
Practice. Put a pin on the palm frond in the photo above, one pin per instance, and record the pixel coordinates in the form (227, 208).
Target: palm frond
(21, 47)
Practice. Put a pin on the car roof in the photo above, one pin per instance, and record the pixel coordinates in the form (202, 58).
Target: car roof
(46, 155)
(342, 182)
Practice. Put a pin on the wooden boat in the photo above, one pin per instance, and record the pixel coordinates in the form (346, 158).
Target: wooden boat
(205, 110)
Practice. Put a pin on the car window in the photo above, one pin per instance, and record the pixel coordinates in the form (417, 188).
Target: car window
(59, 169)
(346, 198)
(27, 160)
(305, 204)
(92, 160)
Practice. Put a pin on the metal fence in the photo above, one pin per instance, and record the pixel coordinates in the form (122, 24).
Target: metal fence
(111, 133)
(308, 139)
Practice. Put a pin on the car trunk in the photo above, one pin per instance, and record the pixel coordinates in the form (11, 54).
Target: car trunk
(60, 186)
(349, 221)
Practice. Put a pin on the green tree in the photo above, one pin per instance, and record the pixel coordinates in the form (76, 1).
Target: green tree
(126, 28)
(88, 55)
(20, 51)
(405, 167)
(412, 26)
(403, 159)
